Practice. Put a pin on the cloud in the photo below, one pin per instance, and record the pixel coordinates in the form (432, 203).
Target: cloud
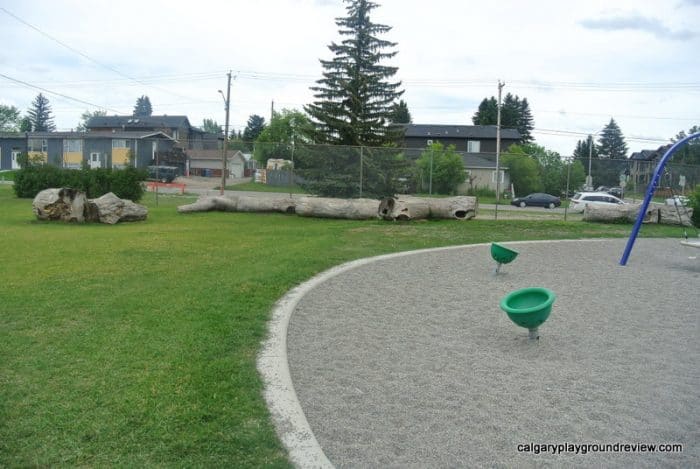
(695, 3)
(639, 23)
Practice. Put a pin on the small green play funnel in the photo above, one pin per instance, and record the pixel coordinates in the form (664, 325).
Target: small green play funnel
(529, 308)
(502, 255)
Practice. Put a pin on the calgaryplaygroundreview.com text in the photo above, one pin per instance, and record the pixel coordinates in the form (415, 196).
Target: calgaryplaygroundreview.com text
(585, 448)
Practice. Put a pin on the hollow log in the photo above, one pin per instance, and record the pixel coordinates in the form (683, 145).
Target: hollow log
(282, 204)
(63, 204)
(454, 208)
(403, 208)
(627, 213)
(351, 209)
(210, 203)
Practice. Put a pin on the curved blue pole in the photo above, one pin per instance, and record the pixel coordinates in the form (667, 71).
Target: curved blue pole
(650, 192)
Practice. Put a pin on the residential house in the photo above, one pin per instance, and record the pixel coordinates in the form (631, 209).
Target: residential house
(476, 144)
(73, 149)
(208, 163)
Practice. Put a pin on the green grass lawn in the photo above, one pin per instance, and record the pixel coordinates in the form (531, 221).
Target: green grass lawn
(135, 344)
(8, 175)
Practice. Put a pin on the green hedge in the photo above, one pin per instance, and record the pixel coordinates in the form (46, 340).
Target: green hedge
(695, 203)
(125, 183)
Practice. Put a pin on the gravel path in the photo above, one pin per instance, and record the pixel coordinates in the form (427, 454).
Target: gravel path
(408, 361)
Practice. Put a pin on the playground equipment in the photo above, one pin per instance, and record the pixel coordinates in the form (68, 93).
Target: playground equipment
(653, 184)
(529, 308)
(502, 255)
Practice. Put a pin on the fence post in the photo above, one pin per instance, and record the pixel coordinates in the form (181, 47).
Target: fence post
(361, 157)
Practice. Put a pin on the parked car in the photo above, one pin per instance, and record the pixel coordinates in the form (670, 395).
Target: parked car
(537, 199)
(162, 173)
(581, 199)
(680, 200)
(616, 191)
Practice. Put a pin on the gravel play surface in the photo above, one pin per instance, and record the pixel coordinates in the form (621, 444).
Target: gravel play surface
(410, 362)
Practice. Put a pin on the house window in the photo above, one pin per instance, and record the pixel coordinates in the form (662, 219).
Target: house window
(473, 146)
(72, 146)
(120, 143)
(38, 144)
(503, 176)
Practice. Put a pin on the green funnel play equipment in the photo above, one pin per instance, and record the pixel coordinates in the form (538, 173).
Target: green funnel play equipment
(502, 255)
(529, 308)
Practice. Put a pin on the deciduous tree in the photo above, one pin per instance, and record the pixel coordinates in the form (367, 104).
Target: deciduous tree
(86, 116)
(9, 118)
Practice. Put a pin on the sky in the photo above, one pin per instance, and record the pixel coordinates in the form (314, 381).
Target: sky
(578, 63)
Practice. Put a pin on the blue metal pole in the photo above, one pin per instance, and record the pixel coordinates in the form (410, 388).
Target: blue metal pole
(650, 192)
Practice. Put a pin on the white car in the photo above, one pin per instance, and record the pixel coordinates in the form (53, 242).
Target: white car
(581, 199)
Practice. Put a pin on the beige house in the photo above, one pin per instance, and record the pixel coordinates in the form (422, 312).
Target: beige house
(481, 173)
(208, 163)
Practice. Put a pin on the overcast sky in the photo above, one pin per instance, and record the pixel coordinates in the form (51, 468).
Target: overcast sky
(578, 63)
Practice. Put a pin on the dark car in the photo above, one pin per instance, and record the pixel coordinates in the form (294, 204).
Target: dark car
(162, 173)
(537, 199)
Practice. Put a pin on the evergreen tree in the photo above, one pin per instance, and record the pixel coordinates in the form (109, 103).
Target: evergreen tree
(354, 98)
(611, 143)
(582, 149)
(515, 114)
(689, 153)
(400, 113)
(40, 115)
(255, 125)
(487, 114)
(143, 107)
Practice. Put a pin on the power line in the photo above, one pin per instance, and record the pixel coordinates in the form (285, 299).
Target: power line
(72, 49)
(29, 85)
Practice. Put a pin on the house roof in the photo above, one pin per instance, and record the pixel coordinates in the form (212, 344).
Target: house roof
(95, 134)
(143, 122)
(481, 161)
(649, 155)
(213, 155)
(459, 131)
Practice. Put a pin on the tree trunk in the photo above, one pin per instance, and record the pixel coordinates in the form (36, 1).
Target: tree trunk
(282, 204)
(209, 203)
(454, 208)
(656, 213)
(416, 208)
(351, 209)
(63, 204)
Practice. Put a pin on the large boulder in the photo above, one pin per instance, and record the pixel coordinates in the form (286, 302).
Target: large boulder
(111, 209)
(64, 204)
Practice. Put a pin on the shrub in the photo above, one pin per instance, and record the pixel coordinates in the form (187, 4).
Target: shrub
(125, 183)
(695, 204)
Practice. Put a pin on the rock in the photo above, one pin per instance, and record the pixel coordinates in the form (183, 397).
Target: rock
(111, 209)
(63, 204)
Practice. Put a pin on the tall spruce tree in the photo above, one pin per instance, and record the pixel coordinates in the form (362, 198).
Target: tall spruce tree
(583, 147)
(354, 98)
(611, 143)
(515, 114)
(40, 115)
(143, 107)
(400, 113)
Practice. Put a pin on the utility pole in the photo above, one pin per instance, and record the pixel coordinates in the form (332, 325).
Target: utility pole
(227, 102)
(272, 110)
(589, 179)
(498, 148)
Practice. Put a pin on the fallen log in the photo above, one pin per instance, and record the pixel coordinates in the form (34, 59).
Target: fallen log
(416, 208)
(323, 207)
(454, 208)
(282, 204)
(404, 208)
(627, 213)
(210, 203)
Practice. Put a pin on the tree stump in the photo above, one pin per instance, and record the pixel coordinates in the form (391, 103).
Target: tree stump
(63, 204)
(351, 209)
